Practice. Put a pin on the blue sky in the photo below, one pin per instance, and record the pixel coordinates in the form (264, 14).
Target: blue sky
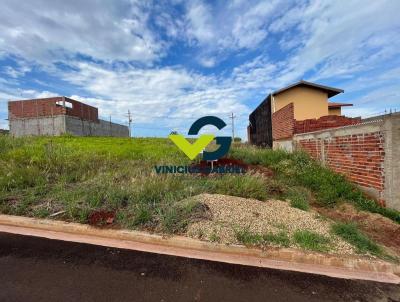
(170, 63)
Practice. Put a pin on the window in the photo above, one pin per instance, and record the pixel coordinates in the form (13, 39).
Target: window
(67, 104)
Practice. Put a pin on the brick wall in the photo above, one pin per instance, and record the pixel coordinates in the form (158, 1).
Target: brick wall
(83, 111)
(35, 108)
(285, 126)
(48, 107)
(359, 156)
(283, 122)
(324, 122)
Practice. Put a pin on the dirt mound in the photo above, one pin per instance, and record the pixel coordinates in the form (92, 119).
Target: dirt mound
(230, 214)
(379, 228)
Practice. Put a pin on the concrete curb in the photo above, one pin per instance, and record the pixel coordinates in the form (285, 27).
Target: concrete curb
(284, 259)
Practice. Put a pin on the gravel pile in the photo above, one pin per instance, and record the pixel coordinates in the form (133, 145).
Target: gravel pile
(230, 214)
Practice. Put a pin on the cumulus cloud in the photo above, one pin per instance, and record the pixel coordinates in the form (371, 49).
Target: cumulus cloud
(53, 30)
(171, 62)
(168, 96)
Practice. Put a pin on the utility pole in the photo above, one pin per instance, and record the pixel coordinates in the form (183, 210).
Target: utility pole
(129, 123)
(233, 125)
(110, 126)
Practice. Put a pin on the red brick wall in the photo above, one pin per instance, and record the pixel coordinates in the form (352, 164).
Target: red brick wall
(324, 122)
(48, 107)
(360, 157)
(34, 108)
(283, 122)
(84, 111)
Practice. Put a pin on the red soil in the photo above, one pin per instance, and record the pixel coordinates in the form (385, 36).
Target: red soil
(101, 218)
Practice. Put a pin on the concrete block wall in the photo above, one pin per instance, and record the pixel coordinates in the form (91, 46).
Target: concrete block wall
(368, 154)
(52, 126)
(80, 127)
(62, 124)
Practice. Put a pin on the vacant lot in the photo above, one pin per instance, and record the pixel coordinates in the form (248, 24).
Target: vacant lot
(112, 182)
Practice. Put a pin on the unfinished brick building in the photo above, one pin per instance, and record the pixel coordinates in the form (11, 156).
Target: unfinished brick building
(59, 115)
(365, 151)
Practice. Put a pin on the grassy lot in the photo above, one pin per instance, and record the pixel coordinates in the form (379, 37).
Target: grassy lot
(71, 177)
(43, 176)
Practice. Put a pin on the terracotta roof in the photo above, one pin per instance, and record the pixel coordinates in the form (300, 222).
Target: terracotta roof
(338, 105)
(330, 90)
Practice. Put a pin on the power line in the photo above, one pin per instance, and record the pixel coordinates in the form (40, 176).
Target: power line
(175, 117)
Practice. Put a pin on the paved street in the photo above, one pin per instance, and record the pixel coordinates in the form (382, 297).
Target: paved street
(34, 269)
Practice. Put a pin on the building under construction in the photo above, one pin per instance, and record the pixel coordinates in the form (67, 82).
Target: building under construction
(59, 115)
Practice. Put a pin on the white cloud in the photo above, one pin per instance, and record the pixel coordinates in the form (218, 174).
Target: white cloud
(166, 96)
(200, 22)
(341, 43)
(349, 43)
(55, 30)
(223, 29)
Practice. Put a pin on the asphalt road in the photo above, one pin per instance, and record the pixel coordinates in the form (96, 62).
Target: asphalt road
(35, 269)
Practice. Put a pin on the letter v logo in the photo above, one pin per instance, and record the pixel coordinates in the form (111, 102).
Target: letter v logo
(191, 150)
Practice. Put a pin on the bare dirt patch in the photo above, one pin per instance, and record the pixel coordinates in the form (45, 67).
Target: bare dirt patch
(230, 214)
(227, 162)
(379, 228)
(101, 218)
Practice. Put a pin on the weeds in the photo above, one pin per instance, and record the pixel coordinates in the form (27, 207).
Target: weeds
(299, 170)
(281, 238)
(350, 233)
(248, 186)
(43, 175)
(246, 237)
(299, 198)
(311, 241)
(214, 237)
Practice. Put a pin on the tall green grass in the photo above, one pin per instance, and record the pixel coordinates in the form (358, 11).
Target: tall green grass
(43, 175)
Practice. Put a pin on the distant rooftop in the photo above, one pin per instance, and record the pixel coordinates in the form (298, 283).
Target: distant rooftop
(331, 91)
(338, 105)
